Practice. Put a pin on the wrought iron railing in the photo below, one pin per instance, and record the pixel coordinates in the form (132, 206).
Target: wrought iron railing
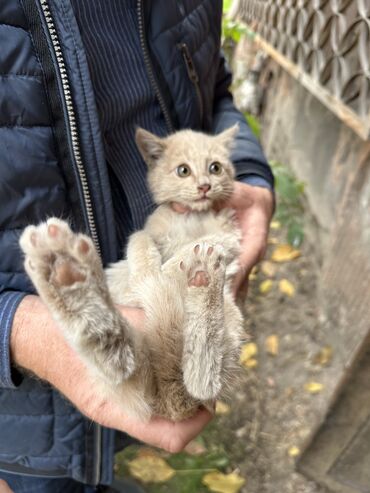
(323, 43)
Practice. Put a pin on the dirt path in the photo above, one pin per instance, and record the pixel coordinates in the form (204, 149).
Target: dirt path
(274, 413)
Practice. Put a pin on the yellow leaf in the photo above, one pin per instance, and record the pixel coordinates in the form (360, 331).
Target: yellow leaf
(284, 253)
(248, 351)
(293, 451)
(151, 469)
(313, 387)
(223, 483)
(268, 268)
(222, 409)
(323, 357)
(247, 354)
(250, 363)
(272, 345)
(286, 287)
(265, 286)
(275, 225)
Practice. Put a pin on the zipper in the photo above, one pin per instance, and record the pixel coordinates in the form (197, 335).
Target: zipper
(72, 122)
(73, 132)
(149, 66)
(193, 75)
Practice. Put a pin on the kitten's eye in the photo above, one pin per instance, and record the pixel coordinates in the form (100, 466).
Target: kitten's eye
(183, 170)
(215, 168)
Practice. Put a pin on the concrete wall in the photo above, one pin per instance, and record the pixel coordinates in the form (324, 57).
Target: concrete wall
(335, 165)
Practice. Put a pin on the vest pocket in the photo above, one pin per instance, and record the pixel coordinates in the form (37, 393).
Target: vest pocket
(193, 76)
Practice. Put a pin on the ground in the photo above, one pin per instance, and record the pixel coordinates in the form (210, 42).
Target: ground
(281, 400)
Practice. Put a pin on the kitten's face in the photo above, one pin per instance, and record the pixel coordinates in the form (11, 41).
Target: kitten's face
(189, 167)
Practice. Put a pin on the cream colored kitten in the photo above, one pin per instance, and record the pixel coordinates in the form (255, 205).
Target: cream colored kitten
(178, 268)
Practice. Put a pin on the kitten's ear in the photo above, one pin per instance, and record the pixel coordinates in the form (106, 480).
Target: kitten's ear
(227, 137)
(150, 146)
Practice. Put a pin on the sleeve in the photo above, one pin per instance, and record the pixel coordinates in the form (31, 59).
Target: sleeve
(9, 301)
(247, 156)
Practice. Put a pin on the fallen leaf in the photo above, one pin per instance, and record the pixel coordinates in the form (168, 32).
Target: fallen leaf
(250, 363)
(151, 469)
(272, 345)
(223, 483)
(289, 391)
(247, 355)
(323, 357)
(275, 225)
(268, 268)
(285, 253)
(293, 451)
(286, 287)
(265, 286)
(272, 241)
(222, 409)
(248, 351)
(313, 387)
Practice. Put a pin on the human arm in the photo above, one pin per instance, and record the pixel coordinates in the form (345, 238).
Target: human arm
(253, 197)
(254, 206)
(4, 488)
(37, 345)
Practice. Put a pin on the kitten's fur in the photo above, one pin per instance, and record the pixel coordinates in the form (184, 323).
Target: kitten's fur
(178, 269)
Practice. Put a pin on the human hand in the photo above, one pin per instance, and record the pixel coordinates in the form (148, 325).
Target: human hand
(4, 488)
(38, 345)
(254, 207)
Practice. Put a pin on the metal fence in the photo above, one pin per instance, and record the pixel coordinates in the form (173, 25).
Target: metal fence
(323, 43)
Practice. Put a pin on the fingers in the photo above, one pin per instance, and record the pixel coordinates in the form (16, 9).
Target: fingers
(163, 433)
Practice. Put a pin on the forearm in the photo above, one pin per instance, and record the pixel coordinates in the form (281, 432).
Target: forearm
(37, 345)
(34, 337)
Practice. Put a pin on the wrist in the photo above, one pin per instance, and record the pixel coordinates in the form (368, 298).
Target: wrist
(33, 336)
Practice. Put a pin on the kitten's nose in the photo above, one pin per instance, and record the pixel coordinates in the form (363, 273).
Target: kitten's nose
(204, 188)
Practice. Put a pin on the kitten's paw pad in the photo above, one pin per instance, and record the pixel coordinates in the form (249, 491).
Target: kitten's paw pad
(55, 254)
(205, 263)
(200, 279)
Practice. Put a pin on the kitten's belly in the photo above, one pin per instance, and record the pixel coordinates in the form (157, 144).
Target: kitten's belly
(185, 230)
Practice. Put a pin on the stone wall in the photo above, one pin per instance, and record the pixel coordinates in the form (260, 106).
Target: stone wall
(334, 163)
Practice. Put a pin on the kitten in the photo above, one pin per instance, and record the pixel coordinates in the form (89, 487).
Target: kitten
(178, 268)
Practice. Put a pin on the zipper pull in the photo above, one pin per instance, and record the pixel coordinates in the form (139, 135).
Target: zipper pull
(192, 73)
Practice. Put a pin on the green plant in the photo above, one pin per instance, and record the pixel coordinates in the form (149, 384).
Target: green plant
(289, 210)
(254, 124)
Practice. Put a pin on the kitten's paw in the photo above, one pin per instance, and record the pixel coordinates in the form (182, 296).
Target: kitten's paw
(201, 380)
(57, 258)
(205, 265)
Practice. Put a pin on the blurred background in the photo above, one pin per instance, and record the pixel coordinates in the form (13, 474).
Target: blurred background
(300, 421)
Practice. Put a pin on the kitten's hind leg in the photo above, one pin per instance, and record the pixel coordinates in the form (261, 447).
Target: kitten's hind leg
(67, 273)
(204, 325)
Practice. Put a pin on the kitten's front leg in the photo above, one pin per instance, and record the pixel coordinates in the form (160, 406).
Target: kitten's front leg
(67, 273)
(143, 257)
(204, 331)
